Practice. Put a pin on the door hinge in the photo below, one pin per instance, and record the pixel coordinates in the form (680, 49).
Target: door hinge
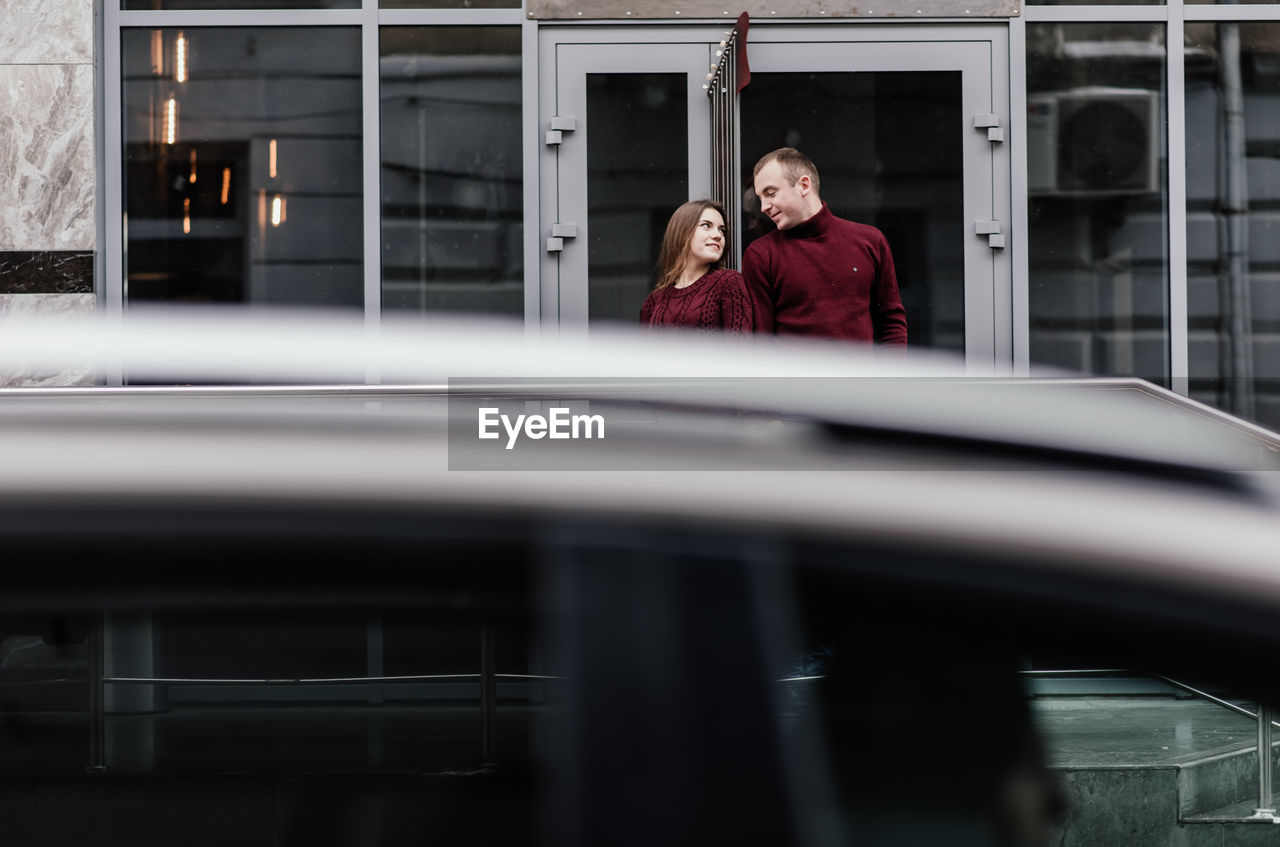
(991, 229)
(991, 123)
(559, 126)
(559, 232)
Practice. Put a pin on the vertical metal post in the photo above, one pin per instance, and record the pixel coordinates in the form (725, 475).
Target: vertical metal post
(375, 737)
(1237, 311)
(371, 175)
(1265, 808)
(97, 712)
(373, 650)
(488, 696)
(1176, 239)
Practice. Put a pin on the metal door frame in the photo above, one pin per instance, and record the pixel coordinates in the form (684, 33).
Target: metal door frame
(980, 52)
(571, 54)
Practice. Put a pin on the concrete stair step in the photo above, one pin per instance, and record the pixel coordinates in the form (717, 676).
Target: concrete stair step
(1237, 813)
(1154, 772)
(1223, 781)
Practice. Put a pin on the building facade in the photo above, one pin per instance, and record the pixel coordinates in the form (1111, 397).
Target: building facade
(1092, 187)
(49, 162)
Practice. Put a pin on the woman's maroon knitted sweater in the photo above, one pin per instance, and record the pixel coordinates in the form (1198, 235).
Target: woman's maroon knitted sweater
(716, 301)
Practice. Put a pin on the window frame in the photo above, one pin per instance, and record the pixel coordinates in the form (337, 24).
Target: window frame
(370, 20)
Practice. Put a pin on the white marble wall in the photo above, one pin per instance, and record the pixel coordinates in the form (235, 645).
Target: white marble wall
(46, 306)
(47, 177)
(35, 32)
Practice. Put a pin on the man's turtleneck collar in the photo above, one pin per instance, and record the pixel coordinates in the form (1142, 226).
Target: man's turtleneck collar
(815, 226)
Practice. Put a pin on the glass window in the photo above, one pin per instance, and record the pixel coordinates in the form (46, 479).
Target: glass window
(411, 678)
(452, 196)
(1095, 2)
(238, 4)
(440, 674)
(242, 174)
(1098, 198)
(450, 4)
(1233, 216)
(637, 174)
(44, 674)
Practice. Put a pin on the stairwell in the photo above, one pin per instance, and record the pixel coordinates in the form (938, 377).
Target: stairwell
(1158, 771)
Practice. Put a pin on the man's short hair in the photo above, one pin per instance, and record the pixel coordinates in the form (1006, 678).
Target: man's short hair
(793, 163)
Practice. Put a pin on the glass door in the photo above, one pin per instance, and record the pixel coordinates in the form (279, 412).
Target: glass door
(905, 124)
(906, 129)
(627, 133)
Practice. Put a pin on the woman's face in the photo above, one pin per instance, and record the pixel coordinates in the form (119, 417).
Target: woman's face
(707, 242)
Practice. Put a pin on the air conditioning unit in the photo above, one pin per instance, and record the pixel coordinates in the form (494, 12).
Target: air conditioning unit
(1093, 141)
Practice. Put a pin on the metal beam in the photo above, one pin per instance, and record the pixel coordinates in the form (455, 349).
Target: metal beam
(761, 10)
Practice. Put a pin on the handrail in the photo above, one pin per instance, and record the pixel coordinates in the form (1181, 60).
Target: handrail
(1218, 700)
(340, 680)
(160, 680)
(1079, 672)
(1180, 685)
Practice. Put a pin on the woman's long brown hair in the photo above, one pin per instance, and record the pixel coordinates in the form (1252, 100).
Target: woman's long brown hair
(675, 244)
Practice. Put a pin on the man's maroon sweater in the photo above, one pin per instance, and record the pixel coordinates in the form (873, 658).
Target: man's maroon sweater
(826, 277)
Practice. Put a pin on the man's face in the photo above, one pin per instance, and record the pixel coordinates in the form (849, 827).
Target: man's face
(786, 204)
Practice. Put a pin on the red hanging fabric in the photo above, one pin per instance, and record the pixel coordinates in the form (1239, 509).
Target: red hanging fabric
(740, 51)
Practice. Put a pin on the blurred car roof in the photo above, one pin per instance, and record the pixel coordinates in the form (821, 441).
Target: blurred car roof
(278, 409)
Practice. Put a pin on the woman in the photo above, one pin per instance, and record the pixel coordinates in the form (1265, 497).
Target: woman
(694, 290)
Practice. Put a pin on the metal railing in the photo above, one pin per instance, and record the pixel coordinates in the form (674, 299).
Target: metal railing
(488, 678)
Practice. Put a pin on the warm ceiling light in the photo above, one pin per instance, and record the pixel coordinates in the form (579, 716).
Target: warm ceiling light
(226, 185)
(192, 176)
(277, 210)
(170, 121)
(180, 72)
(186, 215)
(271, 159)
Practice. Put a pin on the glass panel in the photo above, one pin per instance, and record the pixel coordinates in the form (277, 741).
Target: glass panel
(44, 692)
(242, 165)
(452, 197)
(1095, 2)
(450, 4)
(883, 160)
(315, 683)
(428, 717)
(1233, 216)
(637, 174)
(1098, 197)
(238, 4)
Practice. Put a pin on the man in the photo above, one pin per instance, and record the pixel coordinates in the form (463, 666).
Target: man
(818, 275)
